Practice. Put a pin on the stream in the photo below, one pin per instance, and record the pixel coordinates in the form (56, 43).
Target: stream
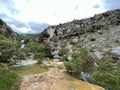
(22, 44)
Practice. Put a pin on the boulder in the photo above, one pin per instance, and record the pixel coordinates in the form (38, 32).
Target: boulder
(55, 53)
(50, 32)
(98, 55)
(115, 53)
(69, 58)
(74, 40)
(56, 57)
(69, 47)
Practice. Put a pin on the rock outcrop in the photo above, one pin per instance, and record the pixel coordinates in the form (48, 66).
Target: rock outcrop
(6, 30)
(115, 53)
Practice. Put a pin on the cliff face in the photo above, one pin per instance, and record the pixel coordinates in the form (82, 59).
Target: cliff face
(6, 30)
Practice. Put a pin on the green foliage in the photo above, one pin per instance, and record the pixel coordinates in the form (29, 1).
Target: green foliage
(38, 50)
(107, 75)
(82, 62)
(9, 80)
(28, 38)
(9, 48)
(74, 67)
(105, 64)
(62, 52)
(108, 80)
(48, 51)
(20, 54)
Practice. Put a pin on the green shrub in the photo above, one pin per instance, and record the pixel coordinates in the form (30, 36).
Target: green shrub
(48, 51)
(20, 54)
(81, 62)
(9, 48)
(40, 50)
(107, 75)
(108, 80)
(74, 67)
(62, 52)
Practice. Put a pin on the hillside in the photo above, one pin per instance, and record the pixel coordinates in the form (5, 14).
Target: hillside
(9, 44)
(102, 21)
(90, 47)
(99, 33)
(7, 31)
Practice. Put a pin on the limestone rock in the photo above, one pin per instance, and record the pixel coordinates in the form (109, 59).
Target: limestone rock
(50, 32)
(55, 53)
(56, 57)
(115, 52)
(75, 40)
(69, 58)
(98, 55)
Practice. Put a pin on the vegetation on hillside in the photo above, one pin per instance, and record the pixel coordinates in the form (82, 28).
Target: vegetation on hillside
(9, 48)
(107, 74)
(82, 61)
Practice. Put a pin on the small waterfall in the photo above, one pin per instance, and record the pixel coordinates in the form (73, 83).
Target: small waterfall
(22, 44)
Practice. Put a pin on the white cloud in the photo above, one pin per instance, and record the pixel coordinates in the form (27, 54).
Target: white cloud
(55, 11)
(49, 11)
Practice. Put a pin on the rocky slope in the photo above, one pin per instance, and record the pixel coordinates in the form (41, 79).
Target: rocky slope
(78, 27)
(6, 30)
(100, 34)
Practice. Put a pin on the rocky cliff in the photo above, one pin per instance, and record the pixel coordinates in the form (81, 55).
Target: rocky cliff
(5, 30)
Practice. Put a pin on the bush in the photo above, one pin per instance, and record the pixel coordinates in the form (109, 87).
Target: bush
(81, 62)
(62, 52)
(74, 67)
(7, 48)
(20, 54)
(108, 80)
(38, 50)
(107, 75)
(48, 51)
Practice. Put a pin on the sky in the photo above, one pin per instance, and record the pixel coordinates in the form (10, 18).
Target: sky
(32, 16)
